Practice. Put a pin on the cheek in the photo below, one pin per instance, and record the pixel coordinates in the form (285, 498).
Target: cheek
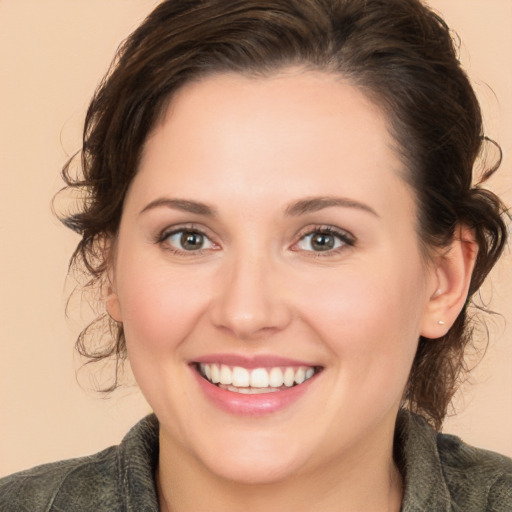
(369, 315)
(159, 307)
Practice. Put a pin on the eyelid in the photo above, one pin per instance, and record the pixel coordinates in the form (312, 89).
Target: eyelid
(347, 239)
(168, 231)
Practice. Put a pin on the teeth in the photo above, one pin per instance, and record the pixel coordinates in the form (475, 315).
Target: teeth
(300, 375)
(250, 391)
(276, 378)
(240, 377)
(214, 371)
(258, 380)
(289, 377)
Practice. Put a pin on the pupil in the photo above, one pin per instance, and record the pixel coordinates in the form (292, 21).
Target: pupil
(322, 242)
(191, 241)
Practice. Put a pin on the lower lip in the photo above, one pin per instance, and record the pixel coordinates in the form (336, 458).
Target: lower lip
(252, 405)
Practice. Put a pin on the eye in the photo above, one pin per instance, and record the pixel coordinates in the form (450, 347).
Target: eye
(324, 240)
(188, 240)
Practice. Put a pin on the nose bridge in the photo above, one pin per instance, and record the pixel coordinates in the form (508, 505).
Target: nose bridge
(250, 301)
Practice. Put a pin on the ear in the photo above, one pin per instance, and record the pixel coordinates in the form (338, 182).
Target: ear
(111, 298)
(112, 304)
(452, 271)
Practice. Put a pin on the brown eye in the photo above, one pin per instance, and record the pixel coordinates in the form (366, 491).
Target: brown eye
(191, 241)
(187, 240)
(324, 241)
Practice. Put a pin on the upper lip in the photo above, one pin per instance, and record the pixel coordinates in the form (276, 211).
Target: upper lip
(256, 361)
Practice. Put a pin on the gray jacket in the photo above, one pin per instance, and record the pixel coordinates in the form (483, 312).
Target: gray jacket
(441, 474)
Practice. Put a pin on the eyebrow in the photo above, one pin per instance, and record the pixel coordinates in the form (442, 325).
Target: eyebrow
(314, 204)
(301, 207)
(185, 205)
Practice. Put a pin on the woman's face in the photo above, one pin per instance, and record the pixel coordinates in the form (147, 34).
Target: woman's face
(268, 238)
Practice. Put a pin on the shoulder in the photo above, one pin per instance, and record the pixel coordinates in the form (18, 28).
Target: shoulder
(79, 484)
(443, 473)
(476, 474)
(118, 478)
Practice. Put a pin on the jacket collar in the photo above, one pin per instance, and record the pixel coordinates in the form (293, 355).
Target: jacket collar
(416, 454)
(137, 463)
(418, 459)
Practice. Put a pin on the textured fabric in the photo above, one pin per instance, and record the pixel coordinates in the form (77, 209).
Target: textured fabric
(441, 473)
(119, 478)
(444, 474)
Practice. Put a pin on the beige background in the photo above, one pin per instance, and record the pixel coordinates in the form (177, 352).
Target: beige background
(52, 55)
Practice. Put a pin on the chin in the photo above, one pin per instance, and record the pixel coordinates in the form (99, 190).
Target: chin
(255, 463)
(261, 472)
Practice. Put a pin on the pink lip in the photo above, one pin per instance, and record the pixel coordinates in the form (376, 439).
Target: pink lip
(258, 361)
(252, 405)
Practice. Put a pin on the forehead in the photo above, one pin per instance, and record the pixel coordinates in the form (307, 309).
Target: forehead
(297, 132)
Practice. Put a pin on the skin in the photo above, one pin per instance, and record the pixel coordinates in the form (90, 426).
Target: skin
(249, 148)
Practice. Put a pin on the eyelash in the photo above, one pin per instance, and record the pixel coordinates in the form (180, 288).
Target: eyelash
(346, 239)
(162, 237)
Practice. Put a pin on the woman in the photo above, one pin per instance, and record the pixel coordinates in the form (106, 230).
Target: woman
(279, 212)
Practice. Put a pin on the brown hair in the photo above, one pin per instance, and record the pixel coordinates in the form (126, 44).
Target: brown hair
(401, 55)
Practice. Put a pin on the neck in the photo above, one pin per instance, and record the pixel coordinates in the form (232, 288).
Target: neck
(353, 485)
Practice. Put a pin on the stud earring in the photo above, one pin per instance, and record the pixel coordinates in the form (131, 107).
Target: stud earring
(440, 322)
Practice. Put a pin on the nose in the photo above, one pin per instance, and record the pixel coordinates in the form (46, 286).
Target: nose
(251, 301)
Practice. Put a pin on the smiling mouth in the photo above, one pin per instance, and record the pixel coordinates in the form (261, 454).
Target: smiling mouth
(256, 380)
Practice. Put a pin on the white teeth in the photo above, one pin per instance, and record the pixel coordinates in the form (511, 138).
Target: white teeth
(276, 378)
(258, 380)
(240, 377)
(214, 370)
(289, 377)
(225, 375)
(300, 375)
(250, 391)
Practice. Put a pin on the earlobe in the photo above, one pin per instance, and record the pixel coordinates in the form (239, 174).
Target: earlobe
(111, 298)
(112, 306)
(453, 269)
